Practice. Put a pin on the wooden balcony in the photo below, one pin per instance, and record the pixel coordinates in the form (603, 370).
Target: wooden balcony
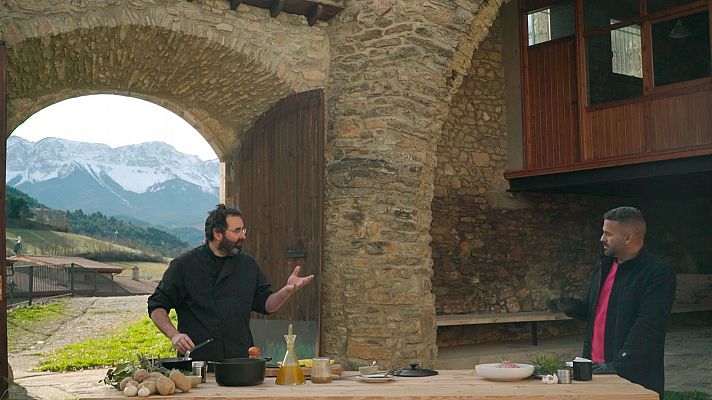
(572, 145)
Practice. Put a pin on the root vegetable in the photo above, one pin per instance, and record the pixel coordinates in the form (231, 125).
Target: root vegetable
(182, 382)
(165, 386)
(123, 383)
(156, 374)
(150, 385)
(144, 392)
(130, 391)
(140, 375)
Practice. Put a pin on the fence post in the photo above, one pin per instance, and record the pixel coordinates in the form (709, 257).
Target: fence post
(71, 278)
(31, 284)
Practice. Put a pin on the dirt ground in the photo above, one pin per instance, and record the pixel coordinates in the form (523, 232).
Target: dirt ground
(84, 318)
(688, 354)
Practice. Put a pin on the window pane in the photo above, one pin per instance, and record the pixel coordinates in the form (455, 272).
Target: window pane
(626, 51)
(551, 23)
(614, 73)
(660, 5)
(600, 12)
(681, 49)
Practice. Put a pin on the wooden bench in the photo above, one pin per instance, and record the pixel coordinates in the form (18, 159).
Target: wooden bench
(694, 294)
(532, 317)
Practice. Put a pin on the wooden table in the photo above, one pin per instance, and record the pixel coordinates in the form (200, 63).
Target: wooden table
(449, 384)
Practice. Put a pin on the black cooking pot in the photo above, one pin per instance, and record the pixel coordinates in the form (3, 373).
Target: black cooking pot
(183, 364)
(239, 371)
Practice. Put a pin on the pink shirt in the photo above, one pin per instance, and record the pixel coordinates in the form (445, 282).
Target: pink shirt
(599, 322)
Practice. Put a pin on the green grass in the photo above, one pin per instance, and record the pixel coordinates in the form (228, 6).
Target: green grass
(52, 243)
(26, 325)
(692, 395)
(120, 346)
(36, 313)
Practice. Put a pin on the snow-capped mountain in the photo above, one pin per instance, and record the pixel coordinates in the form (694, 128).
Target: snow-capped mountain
(150, 181)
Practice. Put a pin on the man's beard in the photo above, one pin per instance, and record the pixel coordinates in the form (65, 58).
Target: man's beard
(229, 247)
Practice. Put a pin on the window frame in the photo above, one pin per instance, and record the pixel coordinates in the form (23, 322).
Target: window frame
(645, 21)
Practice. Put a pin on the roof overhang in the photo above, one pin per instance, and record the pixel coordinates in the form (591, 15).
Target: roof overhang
(664, 178)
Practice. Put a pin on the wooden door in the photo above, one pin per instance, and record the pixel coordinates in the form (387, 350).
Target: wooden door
(3, 149)
(278, 178)
(551, 127)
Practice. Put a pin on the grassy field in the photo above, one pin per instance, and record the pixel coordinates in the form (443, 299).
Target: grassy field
(51, 243)
(692, 395)
(28, 324)
(121, 346)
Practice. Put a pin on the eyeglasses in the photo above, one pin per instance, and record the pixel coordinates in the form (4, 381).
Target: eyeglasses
(238, 230)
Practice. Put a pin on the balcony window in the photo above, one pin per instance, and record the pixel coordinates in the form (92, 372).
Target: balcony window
(551, 23)
(614, 69)
(598, 13)
(681, 49)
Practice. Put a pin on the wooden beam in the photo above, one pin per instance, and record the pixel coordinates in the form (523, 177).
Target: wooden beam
(315, 13)
(4, 366)
(277, 7)
(234, 4)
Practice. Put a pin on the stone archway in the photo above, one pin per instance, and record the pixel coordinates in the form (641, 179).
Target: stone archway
(216, 68)
(389, 69)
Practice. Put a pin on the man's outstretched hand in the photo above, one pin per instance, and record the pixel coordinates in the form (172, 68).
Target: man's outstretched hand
(296, 282)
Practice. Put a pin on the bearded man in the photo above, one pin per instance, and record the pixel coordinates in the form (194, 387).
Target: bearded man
(628, 304)
(214, 288)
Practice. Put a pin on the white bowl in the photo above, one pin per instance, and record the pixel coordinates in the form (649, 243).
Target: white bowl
(495, 373)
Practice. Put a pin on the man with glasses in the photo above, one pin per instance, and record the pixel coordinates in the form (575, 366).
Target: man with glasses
(214, 288)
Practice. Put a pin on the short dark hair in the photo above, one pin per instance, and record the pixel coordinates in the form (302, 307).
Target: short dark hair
(627, 215)
(217, 219)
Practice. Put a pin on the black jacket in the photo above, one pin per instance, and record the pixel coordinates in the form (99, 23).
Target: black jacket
(638, 309)
(213, 298)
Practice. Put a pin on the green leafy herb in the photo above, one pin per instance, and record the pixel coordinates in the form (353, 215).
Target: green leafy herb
(546, 364)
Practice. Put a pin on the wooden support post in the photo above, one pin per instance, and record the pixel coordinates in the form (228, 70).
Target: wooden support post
(4, 366)
(535, 340)
(277, 7)
(315, 13)
(234, 4)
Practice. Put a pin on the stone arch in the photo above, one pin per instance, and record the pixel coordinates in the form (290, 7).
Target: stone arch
(217, 69)
(395, 68)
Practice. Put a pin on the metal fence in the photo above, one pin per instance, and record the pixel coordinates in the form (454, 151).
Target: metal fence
(28, 282)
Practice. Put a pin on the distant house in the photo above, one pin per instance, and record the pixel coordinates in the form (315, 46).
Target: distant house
(50, 217)
(78, 275)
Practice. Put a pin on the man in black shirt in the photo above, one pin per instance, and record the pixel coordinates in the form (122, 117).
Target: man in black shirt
(628, 304)
(214, 288)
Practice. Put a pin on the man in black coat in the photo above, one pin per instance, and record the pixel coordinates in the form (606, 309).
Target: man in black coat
(214, 288)
(628, 304)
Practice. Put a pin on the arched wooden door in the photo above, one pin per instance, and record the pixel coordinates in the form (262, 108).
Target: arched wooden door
(278, 178)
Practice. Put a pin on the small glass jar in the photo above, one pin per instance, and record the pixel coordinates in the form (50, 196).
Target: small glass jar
(321, 370)
(200, 368)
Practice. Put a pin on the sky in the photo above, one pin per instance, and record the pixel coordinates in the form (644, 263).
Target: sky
(115, 121)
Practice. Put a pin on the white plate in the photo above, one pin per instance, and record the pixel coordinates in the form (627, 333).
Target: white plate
(495, 373)
(366, 378)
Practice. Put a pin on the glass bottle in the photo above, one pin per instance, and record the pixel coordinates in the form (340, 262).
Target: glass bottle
(290, 373)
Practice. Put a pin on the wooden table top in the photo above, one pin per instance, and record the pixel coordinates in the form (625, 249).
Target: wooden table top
(449, 384)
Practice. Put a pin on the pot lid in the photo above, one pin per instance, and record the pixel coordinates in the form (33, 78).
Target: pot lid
(415, 371)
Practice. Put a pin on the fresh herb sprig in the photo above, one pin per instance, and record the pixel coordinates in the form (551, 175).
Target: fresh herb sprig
(546, 364)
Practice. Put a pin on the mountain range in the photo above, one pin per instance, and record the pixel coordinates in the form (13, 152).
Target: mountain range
(151, 182)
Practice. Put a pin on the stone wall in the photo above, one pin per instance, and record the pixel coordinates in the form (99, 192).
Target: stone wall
(394, 66)
(495, 251)
(218, 69)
